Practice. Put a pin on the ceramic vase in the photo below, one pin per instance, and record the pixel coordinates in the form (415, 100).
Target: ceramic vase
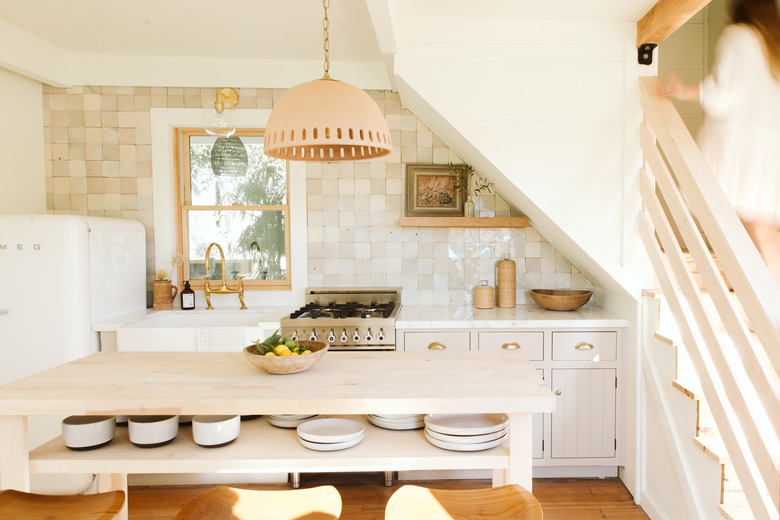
(164, 293)
(468, 208)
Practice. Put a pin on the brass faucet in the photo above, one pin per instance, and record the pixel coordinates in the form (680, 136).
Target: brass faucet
(224, 289)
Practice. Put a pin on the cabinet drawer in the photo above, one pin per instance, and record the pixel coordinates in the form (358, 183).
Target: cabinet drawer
(453, 341)
(529, 342)
(584, 346)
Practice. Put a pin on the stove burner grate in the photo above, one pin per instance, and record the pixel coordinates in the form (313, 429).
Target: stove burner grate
(344, 310)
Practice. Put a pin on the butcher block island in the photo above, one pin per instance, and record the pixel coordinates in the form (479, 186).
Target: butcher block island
(347, 383)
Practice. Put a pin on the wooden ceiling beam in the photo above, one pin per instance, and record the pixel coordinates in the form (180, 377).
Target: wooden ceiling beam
(664, 18)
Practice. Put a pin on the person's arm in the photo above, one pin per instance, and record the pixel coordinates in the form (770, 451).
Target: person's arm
(676, 88)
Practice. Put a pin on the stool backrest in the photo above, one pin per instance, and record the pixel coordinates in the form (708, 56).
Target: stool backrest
(31, 506)
(228, 503)
(511, 502)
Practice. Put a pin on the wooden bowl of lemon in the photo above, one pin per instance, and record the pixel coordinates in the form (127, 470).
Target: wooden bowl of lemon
(309, 353)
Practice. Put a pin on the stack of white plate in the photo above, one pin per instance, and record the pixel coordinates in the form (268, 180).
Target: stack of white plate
(290, 420)
(331, 434)
(408, 421)
(466, 432)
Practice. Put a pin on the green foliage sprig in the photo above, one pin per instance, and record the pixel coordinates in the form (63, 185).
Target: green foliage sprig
(463, 173)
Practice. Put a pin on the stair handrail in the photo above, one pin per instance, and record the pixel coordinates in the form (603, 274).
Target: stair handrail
(676, 168)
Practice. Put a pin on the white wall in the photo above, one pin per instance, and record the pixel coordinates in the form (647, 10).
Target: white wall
(21, 145)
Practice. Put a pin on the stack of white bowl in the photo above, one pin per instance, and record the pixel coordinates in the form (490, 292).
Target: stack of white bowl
(331, 434)
(290, 420)
(87, 432)
(408, 421)
(213, 431)
(151, 431)
(466, 432)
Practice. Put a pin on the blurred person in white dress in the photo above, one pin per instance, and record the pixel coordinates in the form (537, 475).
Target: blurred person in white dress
(740, 136)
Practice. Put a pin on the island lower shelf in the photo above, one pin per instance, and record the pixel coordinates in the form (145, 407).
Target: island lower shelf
(261, 447)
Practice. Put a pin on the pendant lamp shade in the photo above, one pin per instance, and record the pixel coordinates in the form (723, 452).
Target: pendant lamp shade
(326, 120)
(229, 157)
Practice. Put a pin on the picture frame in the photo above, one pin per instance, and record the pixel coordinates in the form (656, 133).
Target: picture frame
(433, 190)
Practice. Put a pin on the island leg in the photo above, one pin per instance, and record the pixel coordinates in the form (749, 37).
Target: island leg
(114, 481)
(520, 470)
(14, 453)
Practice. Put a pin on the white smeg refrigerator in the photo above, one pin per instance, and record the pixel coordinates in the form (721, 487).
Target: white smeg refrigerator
(58, 275)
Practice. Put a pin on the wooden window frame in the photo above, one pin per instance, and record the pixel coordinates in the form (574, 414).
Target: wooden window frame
(183, 207)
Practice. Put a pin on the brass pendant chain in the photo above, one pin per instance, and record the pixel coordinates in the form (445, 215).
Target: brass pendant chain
(326, 42)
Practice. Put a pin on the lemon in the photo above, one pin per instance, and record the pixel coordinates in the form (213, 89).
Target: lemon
(282, 350)
(269, 353)
(306, 352)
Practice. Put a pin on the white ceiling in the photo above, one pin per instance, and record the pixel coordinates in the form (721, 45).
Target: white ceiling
(263, 29)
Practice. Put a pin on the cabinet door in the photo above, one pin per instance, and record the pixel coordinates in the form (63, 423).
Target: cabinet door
(442, 340)
(583, 424)
(531, 343)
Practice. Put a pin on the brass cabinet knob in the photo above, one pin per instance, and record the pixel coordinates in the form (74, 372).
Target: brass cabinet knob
(584, 346)
(558, 392)
(512, 345)
(437, 346)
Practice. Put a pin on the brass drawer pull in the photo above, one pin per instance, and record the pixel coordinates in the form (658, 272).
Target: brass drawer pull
(584, 346)
(513, 345)
(558, 392)
(437, 346)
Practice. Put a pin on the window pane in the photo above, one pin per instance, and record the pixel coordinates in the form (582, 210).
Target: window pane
(263, 184)
(253, 242)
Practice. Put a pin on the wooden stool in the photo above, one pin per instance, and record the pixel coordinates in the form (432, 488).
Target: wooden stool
(227, 503)
(511, 502)
(30, 506)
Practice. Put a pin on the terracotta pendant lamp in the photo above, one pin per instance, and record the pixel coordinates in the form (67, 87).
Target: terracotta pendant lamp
(326, 120)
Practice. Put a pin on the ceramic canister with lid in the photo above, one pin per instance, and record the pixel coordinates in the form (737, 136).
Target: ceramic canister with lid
(505, 282)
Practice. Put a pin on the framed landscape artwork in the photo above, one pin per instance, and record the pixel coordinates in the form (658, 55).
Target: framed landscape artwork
(432, 191)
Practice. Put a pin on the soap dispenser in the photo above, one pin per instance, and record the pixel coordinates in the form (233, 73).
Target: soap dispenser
(187, 297)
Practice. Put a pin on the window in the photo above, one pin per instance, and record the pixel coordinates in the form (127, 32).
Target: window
(231, 194)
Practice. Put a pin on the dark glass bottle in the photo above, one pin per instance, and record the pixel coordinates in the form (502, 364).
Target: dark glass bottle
(187, 297)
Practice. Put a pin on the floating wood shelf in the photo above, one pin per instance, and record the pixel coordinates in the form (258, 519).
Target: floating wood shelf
(465, 222)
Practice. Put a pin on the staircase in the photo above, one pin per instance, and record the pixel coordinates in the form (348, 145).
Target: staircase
(726, 331)
(712, 487)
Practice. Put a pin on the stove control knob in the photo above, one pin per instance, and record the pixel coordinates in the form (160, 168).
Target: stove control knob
(356, 336)
(369, 337)
(331, 336)
(295, 336)
(381, 335)
(313, 336)
(344, 337)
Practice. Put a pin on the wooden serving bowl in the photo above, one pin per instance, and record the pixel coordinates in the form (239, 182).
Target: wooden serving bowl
(561, 299)
(287, 364)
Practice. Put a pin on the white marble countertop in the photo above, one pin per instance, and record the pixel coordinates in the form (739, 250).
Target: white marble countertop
(267, 317)
(521, 316)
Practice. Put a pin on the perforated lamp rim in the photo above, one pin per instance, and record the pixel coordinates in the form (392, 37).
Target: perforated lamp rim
(326, 120)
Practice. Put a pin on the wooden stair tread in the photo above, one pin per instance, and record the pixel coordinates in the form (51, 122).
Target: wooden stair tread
(689, 388)
(712, 445)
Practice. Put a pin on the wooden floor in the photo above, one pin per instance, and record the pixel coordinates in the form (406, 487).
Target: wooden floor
(364, 496)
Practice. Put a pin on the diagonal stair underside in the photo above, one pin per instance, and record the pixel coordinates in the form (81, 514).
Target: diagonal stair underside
(557, 154)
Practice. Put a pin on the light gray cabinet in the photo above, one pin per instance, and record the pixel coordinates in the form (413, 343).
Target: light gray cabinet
(582, 367)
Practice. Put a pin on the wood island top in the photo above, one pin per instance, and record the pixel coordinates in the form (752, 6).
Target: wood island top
(190, 383)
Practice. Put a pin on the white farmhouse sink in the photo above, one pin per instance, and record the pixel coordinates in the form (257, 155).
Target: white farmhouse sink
(198, 330)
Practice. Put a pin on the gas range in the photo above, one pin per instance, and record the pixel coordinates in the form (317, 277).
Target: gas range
(346, 319)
